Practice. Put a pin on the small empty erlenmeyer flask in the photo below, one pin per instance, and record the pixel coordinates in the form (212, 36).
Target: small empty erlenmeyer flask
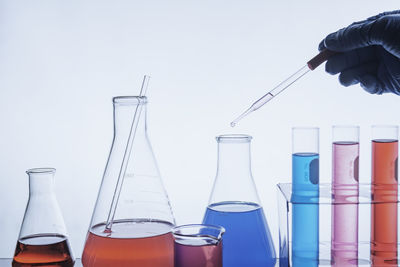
(234, 204)
(137, 232)
(43, 237)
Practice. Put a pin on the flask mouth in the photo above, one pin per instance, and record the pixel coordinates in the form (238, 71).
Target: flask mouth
(345, 126)
(41, 170)
(307, 128)
(389, 126)
(198, 231)
(130, 100)
(234, 138)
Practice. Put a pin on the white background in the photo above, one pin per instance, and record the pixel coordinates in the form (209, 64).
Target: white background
(62, 61)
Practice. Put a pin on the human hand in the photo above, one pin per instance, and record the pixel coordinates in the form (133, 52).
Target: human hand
(370, 53)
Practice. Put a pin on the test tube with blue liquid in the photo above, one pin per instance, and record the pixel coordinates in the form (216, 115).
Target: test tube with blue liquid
(305, 194)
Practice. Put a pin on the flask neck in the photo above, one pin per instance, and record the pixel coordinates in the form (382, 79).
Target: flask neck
(234, 181)
(41, 181)
(125, 109)
(234, 160)
(42, 214)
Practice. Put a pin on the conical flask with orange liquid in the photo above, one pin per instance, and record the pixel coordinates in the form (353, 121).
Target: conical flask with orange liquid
(43, 237)
(132, 220)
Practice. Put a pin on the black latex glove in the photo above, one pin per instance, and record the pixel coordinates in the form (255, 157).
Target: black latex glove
(371, 53)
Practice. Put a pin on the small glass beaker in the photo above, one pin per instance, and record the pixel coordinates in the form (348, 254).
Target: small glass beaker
(198, 245)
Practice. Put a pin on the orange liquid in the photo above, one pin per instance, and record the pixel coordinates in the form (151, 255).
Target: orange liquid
(43, 250)
(384, 215)
(133, 244)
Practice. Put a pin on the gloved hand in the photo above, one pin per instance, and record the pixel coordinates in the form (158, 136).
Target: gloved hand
(371, 53)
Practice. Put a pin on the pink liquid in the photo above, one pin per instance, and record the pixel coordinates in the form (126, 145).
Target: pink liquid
(131, 244)
(203, 253)
(344, 245)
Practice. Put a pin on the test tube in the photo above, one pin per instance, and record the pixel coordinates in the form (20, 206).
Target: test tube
(345, 190)
(384, 195)
(305, 194)
(198, 245)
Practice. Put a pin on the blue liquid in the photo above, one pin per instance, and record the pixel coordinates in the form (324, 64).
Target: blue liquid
(305, 216)
(247, 240)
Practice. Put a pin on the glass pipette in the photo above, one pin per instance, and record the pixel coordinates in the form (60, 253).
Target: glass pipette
(311, 65)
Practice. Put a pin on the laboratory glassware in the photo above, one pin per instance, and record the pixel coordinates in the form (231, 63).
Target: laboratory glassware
(234, 204)
(43, 237)
(384, 193)
(305, 181)
(325, 202)
(311, 65)
(345, 190)
(139, 231)
(198, 245)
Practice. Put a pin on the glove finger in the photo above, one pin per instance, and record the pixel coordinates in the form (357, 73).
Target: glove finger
(353, 75)
(389, 73)
(371, 84)
(352, 37)
(347, 60)
(394, 12)
(356, 35)
(322, 45)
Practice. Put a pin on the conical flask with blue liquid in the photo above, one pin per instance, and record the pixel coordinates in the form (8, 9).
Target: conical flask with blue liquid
(235, 205)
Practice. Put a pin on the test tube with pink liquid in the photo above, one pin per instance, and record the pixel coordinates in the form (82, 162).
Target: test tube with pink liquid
(345, 190)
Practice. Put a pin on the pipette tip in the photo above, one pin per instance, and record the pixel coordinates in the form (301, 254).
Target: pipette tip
(244, 114)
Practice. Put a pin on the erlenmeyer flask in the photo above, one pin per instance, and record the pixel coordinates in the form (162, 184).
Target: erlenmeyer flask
(43, 237)
(139, 233)
(234, 204)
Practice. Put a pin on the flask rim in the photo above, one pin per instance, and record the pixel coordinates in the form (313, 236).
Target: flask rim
(234, 138)
(130, 100)
(178, 231)
(305, 128)
(43, 170)
(385, 126)
(345, 126)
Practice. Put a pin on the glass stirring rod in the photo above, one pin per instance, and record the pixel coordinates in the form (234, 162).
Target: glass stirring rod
(311, 65)
(127, 155)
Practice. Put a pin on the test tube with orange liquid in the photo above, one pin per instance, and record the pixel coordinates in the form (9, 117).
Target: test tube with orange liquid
(384, 196)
